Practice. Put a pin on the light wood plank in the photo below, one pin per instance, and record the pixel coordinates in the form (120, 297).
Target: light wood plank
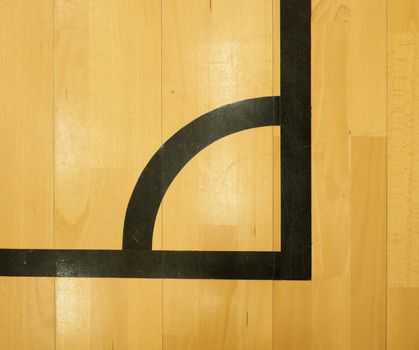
(368, 68)
(292, 312)
(26, 176)
(403, 128)
(107, 118)
(403, 170)
(368, 243)
(227, 57)
(27, 313)
(403, 318)
(221, 52)
(108, 314)
(107, 114)
(217, 315)
(331, 180)
(26, 125)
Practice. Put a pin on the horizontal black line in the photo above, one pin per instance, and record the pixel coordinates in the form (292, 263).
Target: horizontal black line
(150, 264)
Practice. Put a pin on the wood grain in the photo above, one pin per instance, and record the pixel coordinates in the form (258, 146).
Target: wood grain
(217, 314)
(344, 305)
(202, 69)
(107, 114)
(220, 53)
(403, 170)
(107, 126)
(403, 127)
(292, 315)
(331, 210)
(368, 68)
(402, 318)
(26, 159)
(26, 124)
(108, 314)
(89, 90)
(368, 244)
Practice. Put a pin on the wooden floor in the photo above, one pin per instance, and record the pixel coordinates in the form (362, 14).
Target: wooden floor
(89, 90)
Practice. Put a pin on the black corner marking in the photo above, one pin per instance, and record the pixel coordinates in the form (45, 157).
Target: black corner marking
(178, 150)
(137, 259)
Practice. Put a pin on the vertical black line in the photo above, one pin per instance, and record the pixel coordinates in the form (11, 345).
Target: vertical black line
(296, 135)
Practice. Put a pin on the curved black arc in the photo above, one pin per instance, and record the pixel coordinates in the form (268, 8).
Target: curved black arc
(178, 150)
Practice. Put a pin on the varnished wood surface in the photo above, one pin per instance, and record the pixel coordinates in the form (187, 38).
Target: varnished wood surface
(107, 109)
(27, 306)
(403, 172)
(88, 92)
(224, 188)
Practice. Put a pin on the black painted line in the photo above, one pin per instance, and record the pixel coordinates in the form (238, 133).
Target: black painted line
(177, 151)
(296, 135)
(144, 264)
(292, 263)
